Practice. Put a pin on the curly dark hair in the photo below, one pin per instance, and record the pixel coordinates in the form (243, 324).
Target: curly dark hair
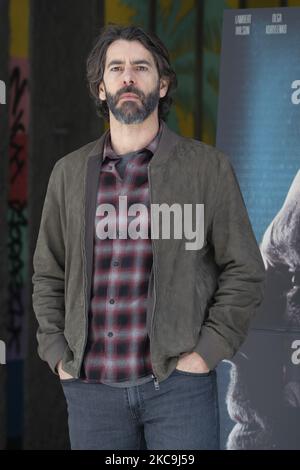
(96, 63)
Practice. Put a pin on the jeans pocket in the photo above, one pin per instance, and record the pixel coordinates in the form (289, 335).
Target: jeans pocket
(195, 374)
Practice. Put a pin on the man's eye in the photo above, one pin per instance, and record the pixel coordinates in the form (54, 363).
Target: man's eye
(141, 67)
(115, 69)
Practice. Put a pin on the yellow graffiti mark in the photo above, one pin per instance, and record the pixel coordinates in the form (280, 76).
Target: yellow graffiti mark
(264, 4)
(19, 28)
(185, 121)
(117, 12)
(233, 3)
(185, 7)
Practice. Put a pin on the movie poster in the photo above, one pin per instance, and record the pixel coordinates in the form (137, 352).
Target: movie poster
(258, 128)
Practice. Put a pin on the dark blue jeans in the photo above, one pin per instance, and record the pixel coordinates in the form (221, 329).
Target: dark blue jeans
(182, 414)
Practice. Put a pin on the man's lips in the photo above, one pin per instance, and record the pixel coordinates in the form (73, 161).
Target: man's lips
(129, 96)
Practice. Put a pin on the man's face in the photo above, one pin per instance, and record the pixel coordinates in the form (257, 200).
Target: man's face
(264, 392)
(131, 85)
(254, 397)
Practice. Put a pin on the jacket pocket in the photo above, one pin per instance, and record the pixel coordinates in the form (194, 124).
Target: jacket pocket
(73, 379)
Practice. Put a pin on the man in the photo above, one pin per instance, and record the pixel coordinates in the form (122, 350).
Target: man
(264, 392)
(135, 325)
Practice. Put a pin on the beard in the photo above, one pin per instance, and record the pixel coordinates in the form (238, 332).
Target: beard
(133, 112)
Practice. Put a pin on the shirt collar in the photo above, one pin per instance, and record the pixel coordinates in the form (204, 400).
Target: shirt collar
(108, 151)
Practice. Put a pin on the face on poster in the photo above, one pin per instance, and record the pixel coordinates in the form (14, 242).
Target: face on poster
(258, 127)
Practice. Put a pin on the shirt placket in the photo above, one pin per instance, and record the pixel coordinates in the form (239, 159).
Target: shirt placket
(113, 302)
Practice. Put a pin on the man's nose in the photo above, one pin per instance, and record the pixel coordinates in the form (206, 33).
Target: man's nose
(128, 77)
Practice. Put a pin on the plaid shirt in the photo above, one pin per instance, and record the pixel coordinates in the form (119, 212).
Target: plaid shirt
(118, 348)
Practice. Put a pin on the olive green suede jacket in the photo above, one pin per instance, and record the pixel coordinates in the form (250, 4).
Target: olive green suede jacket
(198, 300)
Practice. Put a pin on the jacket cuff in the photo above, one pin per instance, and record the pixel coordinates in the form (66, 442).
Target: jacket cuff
(54, 352)
(212, 348)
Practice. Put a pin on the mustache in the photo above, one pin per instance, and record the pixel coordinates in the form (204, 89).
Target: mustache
(129, 89)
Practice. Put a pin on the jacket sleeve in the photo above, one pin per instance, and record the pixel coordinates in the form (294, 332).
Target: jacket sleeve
(241, 282)
(49, 274)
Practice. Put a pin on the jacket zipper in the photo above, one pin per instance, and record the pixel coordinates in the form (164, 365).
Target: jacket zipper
(85, 281)
(156, 383)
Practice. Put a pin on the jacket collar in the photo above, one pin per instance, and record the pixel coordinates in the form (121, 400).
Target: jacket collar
(167, 142)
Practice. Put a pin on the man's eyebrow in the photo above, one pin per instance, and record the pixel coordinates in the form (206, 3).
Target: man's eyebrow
(134, 62)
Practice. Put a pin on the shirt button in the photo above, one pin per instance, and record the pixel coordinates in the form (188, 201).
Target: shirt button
(115, 263)
(110, 167)
(110, 333)
(111, 301)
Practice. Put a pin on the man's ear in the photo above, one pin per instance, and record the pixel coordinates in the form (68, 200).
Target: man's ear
(164, 85)
(102, 94)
